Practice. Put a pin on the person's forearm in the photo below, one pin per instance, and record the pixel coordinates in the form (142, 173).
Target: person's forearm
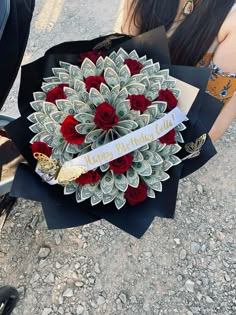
(224, 120)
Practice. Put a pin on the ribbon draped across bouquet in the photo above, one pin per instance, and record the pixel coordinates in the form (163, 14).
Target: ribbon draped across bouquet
(108, 128)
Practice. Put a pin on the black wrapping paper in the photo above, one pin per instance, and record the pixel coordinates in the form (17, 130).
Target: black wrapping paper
(59, 212)
(142, 43)
(62, 211)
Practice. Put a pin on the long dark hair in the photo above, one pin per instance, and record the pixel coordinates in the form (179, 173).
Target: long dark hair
(195, 34)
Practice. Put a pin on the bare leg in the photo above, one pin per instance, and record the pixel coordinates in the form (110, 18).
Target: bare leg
(224, 120)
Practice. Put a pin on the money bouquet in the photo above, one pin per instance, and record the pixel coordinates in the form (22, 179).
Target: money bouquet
(108, 130)
(109, 124)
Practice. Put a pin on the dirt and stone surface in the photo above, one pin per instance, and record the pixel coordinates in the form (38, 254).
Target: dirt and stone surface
(185, 266)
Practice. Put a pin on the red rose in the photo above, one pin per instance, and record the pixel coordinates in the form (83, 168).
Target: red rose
(167, 96)
(69, 132)
(56, 94)
(105, 116)
(94, 81)
(122, 164)
(136, 195)
(134, 66)
(168, 138)
(88, 178)
(139, 102)
(41, 147)
(92, 55)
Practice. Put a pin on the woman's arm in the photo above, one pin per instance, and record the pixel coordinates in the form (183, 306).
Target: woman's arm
(224, 120)
(225, 55)
(225, 59)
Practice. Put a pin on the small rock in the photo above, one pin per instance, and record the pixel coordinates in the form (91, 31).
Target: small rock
(79, 284)
(58, 265)
(60, 300)
(123, 298)
(220, 235)
(34, 222)
(205, 282)
(43, 263)
(60, 310)
(195, 247)
(146, 307)
(133, 299)
(209, 300)
(35, 278)
(91, 280)
(101, 232)
(212, 244)
(68, 293)
(47, 311)
(182, 254)
(148, 254)
(50, 278)
(227, 277)
(101, 300)
(189, 313)
(178, 203)
(203, 227)
(77, 266)
(225, 264)
(203, 248)
(195, 310)
(177, 241)
(57, 239)
(79, 310)
(189, 285)
(44, 252)
(119, 304)
(21, 291)
(96, 268)
(212, 266)
(94, 304)
(200, 189)
(199, 296)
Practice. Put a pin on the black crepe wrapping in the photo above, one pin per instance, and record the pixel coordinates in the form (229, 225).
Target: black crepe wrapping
(63, 211)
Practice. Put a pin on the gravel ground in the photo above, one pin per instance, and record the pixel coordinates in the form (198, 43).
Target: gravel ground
(184, 266)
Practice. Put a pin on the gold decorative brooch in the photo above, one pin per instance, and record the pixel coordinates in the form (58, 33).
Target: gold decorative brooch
(51, 169)
(194, 148)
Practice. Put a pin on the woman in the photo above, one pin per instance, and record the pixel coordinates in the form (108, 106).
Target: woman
(201, 33)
